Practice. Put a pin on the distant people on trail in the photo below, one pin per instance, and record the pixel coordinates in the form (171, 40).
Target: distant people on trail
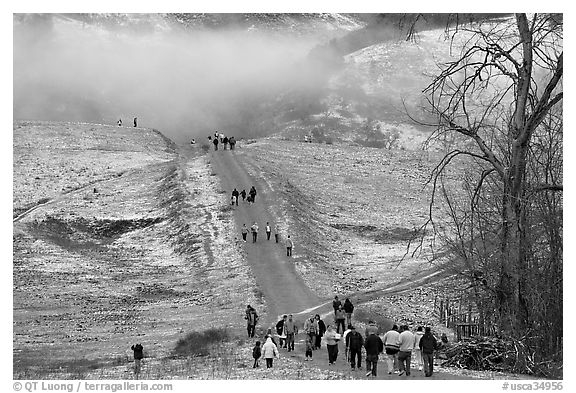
(135, 122)
(225, 142)
(417, 352)
(254, 229)
(331, 338)
(269, 352)
(256, 354)
(251, 320)
(281, 330)
(119, 122)
(252, 193)
(339, 319)
(243, 194)
(348, 310)
(335, 304)
(374, 346)
(235, 194)
(428, 345)
(276, 233)
(311, 328)
(291, 331)
(321, 330)
(354, 343)
(289, 246)
(215, 142)
(232, 142)
(138, 356)
(392, 345)
(405, 351)
(244, 232)
(268, 231)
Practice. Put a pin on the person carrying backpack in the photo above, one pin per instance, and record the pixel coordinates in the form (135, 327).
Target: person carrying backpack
(428, 345)
(138, 356)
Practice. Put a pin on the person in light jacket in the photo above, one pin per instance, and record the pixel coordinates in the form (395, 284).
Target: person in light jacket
(289, 246)
(269, 352)
(332, 338)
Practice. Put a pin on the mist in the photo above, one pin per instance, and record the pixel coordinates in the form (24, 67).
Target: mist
(183, 83)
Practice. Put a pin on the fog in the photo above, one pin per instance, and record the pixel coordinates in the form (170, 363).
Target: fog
(185, 84)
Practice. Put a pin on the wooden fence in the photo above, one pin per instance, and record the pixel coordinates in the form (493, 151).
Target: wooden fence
(462, 315)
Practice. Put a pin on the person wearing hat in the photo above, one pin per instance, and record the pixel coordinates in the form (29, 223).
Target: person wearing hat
(354, 343)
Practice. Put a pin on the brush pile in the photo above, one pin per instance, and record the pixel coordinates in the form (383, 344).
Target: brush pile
(490, 354)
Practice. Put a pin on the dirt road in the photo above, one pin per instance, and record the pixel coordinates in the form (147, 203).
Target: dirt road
(283, 288)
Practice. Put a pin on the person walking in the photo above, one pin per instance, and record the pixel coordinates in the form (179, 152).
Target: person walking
(252, 193)
(374, 346)
(215, 142)
(348, 310)
(251, 320)
(232, 142)
(268, 231)
(138, 356)
(254, 229)
(243, 194)
(291, 331)
(405, 352)
(321, 330)
(311, 329)
(256, 354)
(335, 304)
(339, 319)
(244, 232)
(269, 352)
(392, 346)
(225, 142)
(428, 345)
(289, 246)
(235, 194)
(417, 352)
(354, 344)
(309, 347)
(135, 122)
(281, 330)
(331, 338)
(276, 233)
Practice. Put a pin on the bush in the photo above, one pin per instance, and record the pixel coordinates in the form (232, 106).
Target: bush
(199, 343)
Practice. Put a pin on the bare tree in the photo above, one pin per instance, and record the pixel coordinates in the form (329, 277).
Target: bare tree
(501, 97)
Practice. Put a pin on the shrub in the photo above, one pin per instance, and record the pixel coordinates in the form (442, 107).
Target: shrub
(199, 343)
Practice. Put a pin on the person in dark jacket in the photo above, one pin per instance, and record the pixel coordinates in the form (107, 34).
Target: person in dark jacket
(348, 310)
(374, 346)
(281, 331)
(138, 356)
(354, 343)
(225, 142)
(253, 193)
(135, 122)
(321, 331)
(256, 354)
(335, 304)
(427, 345)
(235, 194)
(215, 142)
(243, 195)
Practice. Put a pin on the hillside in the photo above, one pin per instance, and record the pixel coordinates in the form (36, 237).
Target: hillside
(149, 252)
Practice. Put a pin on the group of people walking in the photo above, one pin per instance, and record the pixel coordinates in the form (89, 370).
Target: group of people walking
(400, 347)
(254, 229)
(237, 194)
(223, 139)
